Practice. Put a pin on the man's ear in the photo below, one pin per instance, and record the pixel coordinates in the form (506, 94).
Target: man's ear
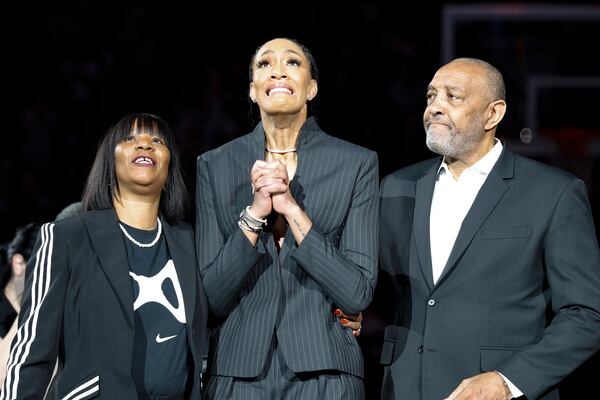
(494, 113)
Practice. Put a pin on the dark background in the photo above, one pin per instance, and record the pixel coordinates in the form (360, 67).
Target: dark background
(72, 69)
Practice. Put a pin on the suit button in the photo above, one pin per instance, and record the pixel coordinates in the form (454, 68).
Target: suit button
(431, 302)
(420, 350)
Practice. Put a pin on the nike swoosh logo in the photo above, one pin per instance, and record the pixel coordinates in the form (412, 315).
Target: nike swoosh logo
(163, 339)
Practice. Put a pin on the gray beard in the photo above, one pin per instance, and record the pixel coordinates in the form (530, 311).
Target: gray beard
(456, 144)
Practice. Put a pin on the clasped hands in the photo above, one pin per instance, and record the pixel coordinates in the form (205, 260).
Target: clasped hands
(270, 183)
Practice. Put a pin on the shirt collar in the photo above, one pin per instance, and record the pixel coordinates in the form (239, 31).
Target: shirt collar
(484, 165)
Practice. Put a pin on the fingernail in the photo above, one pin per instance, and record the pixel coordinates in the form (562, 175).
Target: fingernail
(344, 321)
(338, 311)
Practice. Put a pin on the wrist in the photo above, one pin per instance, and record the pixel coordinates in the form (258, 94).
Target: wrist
(508, 393)
(294, 211)
(257, 212)
(251, 223)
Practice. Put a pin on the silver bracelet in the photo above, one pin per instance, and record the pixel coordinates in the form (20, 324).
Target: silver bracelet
(244, 226)
(257, 220)
(250, 223)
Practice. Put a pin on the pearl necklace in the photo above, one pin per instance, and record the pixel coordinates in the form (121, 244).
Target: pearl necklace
(152, 243)
(280, 151)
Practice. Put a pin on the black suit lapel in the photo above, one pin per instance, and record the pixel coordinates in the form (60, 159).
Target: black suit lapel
(257, 145)
(423, 196)
(107, 241)
(183, 260)
(486, 200)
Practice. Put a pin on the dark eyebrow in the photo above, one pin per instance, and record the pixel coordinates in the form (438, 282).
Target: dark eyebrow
(295, 52)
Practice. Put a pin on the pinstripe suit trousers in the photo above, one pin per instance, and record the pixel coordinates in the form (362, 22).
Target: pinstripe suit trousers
(278, 382)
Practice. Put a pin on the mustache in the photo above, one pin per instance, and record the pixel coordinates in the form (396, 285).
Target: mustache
(437, 120)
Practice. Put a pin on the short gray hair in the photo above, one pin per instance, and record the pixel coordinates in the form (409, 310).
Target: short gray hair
(497, 90)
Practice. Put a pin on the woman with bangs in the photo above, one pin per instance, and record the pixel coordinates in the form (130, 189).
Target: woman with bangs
(114, 293)
(286, 229)
(12, 279)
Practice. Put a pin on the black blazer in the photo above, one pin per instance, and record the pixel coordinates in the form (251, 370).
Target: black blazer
(520, 292)
(78, 306)
(258, 292)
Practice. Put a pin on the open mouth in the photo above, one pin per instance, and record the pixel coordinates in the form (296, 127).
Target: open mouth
(143, 160)
(279, 90)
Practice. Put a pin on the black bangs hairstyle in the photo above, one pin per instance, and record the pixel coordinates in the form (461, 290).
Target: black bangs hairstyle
(5, 268)
(23, 243)
(314, 71)
(3, 254)
(102, 185)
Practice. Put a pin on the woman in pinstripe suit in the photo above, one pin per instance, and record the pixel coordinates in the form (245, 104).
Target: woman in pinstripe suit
(286, 233)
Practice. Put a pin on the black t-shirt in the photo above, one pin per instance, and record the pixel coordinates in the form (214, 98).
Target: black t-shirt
(7, 315)
(160, 352)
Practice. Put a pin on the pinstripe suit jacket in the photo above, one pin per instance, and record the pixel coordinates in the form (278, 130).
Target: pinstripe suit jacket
(258, 292)
(78, 305)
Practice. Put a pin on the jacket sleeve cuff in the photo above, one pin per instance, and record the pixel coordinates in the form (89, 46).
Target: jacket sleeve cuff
(513, 389)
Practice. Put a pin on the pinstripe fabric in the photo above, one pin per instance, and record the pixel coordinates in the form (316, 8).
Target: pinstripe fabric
(278, 382)
(257, 291)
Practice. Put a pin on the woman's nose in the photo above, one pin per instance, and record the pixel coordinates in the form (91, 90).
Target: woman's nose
(144, 144)
(278, 72)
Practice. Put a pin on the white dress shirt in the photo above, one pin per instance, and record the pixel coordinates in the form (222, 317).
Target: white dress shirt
(452, 200)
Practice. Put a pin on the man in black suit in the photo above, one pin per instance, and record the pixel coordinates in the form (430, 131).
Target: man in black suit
(489, 259)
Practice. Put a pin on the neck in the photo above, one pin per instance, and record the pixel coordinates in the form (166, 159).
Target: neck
(16, 282)
(459, 164)
(281, 131)
(14, 287)
(140, 213)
